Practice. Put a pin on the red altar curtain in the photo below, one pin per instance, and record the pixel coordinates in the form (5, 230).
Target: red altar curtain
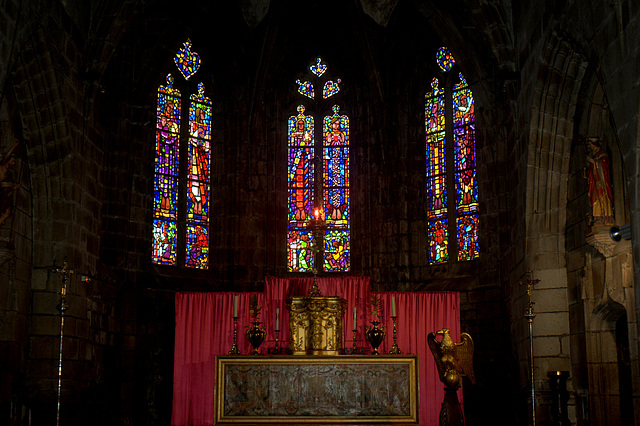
(355, 290)
(420, 313)
(204, 329)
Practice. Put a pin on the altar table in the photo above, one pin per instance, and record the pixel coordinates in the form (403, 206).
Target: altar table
(342, 389)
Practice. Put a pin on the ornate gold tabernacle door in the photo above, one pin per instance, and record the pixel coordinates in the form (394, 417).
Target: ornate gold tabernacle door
(316, 325)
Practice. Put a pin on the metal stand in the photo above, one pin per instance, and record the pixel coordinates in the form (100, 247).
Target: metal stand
(65, 272)
(277, 333)
(394, 349)
(317, 225)
(355, 330)
(530, 315)
(234, 349)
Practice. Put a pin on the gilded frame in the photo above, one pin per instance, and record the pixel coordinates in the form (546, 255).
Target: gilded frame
(222, 362)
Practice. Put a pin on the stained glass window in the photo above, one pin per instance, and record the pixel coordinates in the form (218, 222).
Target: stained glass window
(452, 222)
(328, 212)
(444, 59)
(335, 183)
(181, 201)
(166, 176)
(187, 61)
(199, 156)
(300, 177)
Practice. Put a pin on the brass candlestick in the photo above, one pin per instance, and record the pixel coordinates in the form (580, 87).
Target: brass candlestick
(234, 349)
(355, 330)
(277, 333)
(317, 225)
(65, 272)
(530, 315)
(394, 349)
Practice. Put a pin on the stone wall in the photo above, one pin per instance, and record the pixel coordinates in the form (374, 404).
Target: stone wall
(78, 85)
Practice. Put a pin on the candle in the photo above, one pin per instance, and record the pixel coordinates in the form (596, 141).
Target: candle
(277, 319)
(235, 306)
(354, 317)
(393, 306)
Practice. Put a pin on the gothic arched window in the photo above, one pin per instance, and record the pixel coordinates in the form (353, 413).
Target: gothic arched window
(182, 162)
(318, 178)
(452, 194)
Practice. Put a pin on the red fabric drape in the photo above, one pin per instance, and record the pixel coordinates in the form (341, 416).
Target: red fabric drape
(355, 290)
(204, 329)
(420, 313)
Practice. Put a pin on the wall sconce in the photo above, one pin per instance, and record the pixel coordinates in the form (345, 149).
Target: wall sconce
(618, 233)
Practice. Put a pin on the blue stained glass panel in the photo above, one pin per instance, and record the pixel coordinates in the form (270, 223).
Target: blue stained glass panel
(463, 106)
(167, 147)
(164, 242)
(318, 68)
(331, 88)
(466, 191)
(335, 129)
(434, 110)
(188, 62)
(199, 160)
(299, 254)
(197, 196)
(444, 59)
(200, 116)
(197, 247)
(336, 166)
(165, 196)
(300, 185)
(198, 202)
(336, 207)
(438, 241)
(464, 139)
(468, 237)
(306, 88)
(300, 129)
(437, 199)
(165, 183)
(337, 250)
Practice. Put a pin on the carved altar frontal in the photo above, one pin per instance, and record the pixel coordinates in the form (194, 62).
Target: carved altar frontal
(317, 390)
(316, 325)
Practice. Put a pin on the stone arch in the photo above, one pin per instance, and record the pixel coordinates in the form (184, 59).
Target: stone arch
(45, 129)
(606, 400)
(552, 126)
(600, 274)
(553, 100)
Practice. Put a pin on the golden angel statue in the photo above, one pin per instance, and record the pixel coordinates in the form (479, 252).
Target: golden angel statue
(453, 360)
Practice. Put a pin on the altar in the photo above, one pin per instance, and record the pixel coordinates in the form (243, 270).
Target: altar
(317, 390)
(207, 328)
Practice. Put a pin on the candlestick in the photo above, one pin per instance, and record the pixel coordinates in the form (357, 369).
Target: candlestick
(234, 349)
(65, 272)
(235, 306)
(393, 306)
(355, 330)
(530, 315)
(354, 318)
(277, 319)
(394, 349)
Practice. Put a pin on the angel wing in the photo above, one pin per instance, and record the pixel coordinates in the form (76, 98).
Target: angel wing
(437, 352)
(464, 355)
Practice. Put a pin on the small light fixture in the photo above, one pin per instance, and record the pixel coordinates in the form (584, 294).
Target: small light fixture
(618, 233)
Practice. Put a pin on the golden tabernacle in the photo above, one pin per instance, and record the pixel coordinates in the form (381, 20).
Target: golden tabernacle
(316, 325)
